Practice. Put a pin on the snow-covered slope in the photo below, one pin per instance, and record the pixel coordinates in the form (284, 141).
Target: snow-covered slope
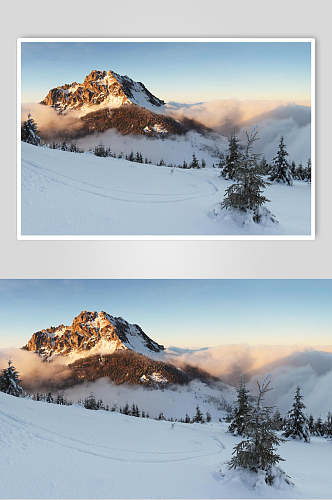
(80, 194)
(51, 451)
(91, 332)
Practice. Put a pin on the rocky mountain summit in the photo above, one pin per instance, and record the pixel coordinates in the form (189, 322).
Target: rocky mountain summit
(107, 100)
(92, 333)
(101, 89)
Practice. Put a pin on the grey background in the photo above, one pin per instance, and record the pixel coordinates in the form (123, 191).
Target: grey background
(151, 259)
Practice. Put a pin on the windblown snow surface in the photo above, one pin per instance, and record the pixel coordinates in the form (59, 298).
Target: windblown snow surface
(51, 451)
(80, 194)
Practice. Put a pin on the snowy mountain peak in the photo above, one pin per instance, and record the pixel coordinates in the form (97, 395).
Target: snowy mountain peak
(93, 332)
(101, 89)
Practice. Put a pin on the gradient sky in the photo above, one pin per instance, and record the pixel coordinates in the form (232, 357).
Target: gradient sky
(183, 313)
(176, 71)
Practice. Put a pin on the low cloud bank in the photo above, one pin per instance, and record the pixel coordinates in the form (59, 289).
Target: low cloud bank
(36, 374)
(270, 118)
(288, 366)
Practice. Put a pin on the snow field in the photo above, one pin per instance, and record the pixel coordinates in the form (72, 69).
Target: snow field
(80, 194)
(69, 452)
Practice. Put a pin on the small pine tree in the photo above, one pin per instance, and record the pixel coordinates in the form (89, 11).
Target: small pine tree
(257, 452)
(208, 417)
(194, 162)
(241, 411)
(281, 171)
(187, 419)
(328, 425)
(263, 167)
(90, 402)
(311, 424)
(203, 164)
(222, 162)
(245, 195)
(293, 169)
(297, 425)
(230, 165)
(198, 418)
(300, 172)
(10, 381)
(49, 398)
(307, 173)
(30, 132)
(277, 421)
(319, 428)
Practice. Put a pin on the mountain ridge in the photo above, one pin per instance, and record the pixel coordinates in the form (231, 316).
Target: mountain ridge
(91, 332)
(101, 88)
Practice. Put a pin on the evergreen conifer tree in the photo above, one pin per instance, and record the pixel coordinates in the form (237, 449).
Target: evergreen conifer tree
(194, 163)
(257, 451)
(90, 402)
(281, 171)
(198, 418)
(231, 163)
(319, 429)
(30, 132)
(328, 425)
(10, 382)
(241, 411)
(245, 195)
(297, 424)
(311, 424)
(308, 171)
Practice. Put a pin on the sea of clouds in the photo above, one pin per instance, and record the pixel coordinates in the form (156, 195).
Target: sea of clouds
(271, 119)
(287, 366)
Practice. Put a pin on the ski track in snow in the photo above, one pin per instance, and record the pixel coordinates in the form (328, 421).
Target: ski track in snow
(100, 191)
(70, 452)
(81, 194)
(85, 447)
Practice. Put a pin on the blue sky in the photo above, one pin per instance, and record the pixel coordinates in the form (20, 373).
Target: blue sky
(184, 313)
(177, 71)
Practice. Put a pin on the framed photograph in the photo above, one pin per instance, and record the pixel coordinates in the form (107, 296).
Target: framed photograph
(162, 389)
(165, 138)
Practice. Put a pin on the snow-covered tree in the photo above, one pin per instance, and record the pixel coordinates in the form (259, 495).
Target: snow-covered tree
(277, 421)
(308, 171)
(319, 428)
(293, 169)
(30, 132)
(241, 411)
(194, 162)
(230, 164)
(257, 451)
(328, 425)
(10, 381)
(245, 195)
(198, 418)
(297, 423)
(311, 424)
(263, 167)
(281, 171)
(90, 402)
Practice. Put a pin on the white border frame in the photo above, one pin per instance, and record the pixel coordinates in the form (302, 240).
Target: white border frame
(310, 40)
